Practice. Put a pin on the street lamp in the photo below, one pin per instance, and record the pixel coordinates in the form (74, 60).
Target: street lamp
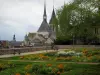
(73, 35)
(46, 37)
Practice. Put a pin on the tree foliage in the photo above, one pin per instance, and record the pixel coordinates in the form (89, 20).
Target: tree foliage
(79, 19)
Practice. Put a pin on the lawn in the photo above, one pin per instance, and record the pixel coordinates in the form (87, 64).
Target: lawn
(47, 68)
(67, 62)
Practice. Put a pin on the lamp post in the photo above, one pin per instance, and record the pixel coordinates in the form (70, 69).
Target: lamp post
(46, 43)
(73, 35)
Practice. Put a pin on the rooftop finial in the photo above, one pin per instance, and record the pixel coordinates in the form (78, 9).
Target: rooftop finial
(53, 4)
(45, 16)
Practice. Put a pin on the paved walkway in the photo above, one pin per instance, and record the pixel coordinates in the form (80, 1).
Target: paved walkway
(35, 52)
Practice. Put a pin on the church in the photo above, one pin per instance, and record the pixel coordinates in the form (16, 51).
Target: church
(46, 33)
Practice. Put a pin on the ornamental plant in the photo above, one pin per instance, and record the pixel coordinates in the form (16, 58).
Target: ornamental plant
(58, 73)
(17, 74)
(1, 66)
(68, 53)
(28, 67)
(27, 74)
(49, 65)
(60, 67)
(21, 57)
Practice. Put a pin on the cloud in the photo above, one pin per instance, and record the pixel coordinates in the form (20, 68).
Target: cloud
(22, 16)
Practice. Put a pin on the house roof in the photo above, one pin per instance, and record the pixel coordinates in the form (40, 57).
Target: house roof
(17, 43)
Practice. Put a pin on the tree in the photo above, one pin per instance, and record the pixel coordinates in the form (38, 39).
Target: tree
(78, 18)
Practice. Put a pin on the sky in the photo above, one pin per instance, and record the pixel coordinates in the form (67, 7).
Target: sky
(20, 17)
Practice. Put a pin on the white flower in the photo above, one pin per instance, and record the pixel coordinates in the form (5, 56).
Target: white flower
(68, 53)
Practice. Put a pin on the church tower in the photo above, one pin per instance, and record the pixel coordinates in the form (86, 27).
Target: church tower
(45, 34)
(44, 25)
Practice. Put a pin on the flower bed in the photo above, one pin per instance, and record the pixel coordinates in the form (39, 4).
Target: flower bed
(50, 68)
(84, 55)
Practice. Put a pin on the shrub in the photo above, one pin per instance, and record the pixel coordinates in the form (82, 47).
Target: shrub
(50, 54)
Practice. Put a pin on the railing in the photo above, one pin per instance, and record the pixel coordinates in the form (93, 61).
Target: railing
(19, 50)
(32, 49)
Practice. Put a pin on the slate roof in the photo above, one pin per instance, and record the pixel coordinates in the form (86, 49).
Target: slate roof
(44, 27)
(39, 37)
(17, 43)
(31, 35)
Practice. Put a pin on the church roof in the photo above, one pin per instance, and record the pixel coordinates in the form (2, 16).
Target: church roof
(44, 27)
(31, 35)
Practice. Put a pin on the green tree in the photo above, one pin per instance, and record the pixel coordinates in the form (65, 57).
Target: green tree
(78, 18)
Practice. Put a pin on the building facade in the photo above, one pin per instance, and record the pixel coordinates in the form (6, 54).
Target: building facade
(45, 34)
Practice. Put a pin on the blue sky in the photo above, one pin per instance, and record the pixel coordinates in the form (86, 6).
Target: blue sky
(20, 17)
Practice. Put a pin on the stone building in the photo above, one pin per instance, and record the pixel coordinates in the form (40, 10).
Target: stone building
(45, 34)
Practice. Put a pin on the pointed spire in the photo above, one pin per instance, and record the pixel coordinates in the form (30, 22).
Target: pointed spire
(53, 9)
(26, 37)
(53, 14)
(53, 4)
(45, 15)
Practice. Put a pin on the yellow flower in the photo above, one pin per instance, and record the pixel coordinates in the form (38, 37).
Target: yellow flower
(27, 74)
(54, 70)
(21, 57)
(41, 55)
(28, 67)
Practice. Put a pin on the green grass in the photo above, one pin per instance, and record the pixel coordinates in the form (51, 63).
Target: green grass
(70, 69)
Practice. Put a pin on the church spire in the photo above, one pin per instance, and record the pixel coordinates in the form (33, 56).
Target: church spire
(45, 15)
(53, 14)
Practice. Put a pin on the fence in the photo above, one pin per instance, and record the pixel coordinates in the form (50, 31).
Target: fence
(19, 50)
(32, 49)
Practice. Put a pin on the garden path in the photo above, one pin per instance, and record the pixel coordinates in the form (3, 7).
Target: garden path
(35, 52)
(50, 61)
